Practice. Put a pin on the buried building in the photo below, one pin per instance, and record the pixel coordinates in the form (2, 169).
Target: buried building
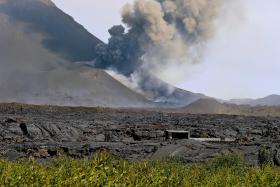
(183, 134)
(177, 134)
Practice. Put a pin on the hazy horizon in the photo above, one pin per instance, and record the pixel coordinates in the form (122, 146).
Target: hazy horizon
(242, 61)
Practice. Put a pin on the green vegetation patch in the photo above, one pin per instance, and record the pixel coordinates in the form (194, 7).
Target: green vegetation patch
(106, 170)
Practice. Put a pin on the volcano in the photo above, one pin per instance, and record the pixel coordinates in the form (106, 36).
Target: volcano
(40, 46)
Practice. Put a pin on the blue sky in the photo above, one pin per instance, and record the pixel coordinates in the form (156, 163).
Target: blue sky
(242, 61)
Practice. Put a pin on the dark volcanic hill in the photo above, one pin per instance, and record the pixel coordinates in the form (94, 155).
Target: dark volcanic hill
(271, 100)
(180, 98)
(63, 35)
(38, 43)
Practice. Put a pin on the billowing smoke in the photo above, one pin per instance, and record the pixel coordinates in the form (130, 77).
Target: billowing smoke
(164, 38)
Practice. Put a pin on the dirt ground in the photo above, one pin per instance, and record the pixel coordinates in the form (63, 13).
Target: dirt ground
(47, 131)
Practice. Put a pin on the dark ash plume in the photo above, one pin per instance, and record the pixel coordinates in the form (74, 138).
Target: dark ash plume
(162, 35)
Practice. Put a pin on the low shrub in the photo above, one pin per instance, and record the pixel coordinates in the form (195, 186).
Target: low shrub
(106, 170)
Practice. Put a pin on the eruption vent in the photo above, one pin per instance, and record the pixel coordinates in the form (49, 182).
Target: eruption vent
(164, 38)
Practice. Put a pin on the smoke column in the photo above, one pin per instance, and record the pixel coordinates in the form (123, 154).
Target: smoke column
(164, 38)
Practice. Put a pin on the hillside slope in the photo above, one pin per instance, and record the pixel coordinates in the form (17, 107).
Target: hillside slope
(63, 35)
(271, 100)
(211, 106)
(182, 97)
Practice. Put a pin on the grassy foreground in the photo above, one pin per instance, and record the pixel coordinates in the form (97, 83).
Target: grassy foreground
(105, 170)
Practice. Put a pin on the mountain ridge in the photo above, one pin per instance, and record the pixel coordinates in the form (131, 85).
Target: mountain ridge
(212, 106)
(271, 100)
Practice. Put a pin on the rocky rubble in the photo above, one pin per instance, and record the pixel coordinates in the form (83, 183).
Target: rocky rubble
(44, 132)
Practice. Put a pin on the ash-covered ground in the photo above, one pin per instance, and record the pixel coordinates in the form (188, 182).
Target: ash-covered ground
(46, 131)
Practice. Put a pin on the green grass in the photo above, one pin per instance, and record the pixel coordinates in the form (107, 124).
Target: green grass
(105, 170)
